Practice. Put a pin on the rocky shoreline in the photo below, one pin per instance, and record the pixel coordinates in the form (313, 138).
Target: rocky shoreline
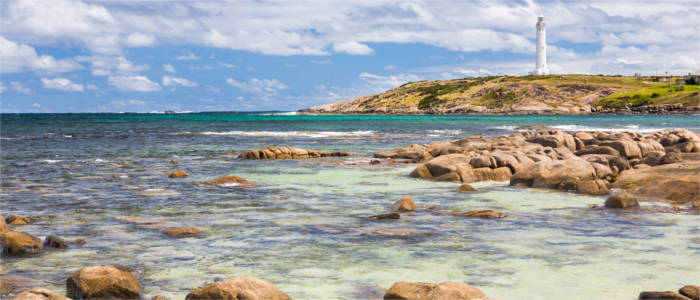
(662, 109)
(628, 166)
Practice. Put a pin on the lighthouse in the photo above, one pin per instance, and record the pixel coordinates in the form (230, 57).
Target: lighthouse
(541, 60)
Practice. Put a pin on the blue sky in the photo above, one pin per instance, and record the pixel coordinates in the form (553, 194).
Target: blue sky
(142, 56)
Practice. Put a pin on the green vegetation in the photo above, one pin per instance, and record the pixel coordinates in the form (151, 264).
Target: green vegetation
(686, 95)
(430, 94)
(498, 98)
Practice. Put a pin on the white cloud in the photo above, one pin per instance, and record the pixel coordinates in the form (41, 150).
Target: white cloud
(36, 105)
(188, 56)
(388, 82)
(138, 39)
(110, 65)
(133, 83)
(169, 68)
(269, 87)
(60, 83)
(174, 81)
(17, 57)
(352, 48)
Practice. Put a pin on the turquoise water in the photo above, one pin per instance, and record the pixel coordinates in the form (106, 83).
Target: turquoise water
(302, 226)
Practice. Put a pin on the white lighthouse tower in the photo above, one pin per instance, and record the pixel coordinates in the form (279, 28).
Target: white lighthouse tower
(541, 61)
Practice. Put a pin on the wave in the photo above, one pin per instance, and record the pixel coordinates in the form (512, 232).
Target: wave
(310, 134)
(573, 127)
(286, 113)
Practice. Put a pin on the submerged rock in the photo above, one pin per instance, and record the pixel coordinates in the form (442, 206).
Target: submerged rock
(239, 288)
(55, 242)
(230, 181)
(178, 174)
(181, 231)
(398, 232)
(17, 220)
(15, 283)
(466, 188)
(422, 291)
(39, 293)
(404, 204)
(623, 200)
(171, 229)
(487, 214)
(19, 243)
(103, 282)
(386, 216)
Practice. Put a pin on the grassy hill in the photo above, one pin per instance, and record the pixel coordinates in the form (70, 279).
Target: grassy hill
(507, 94)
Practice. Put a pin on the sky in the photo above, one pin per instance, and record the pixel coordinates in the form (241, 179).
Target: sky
(145, 56)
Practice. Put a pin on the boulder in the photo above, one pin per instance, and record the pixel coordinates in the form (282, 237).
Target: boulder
(437, 291)
(690, 291)
(484, 174)
(627, 148)
(584, 136)
(670, 157)
(158, 297)
(284, 152)
(622, 200)
(443, 148)
(19, 243)
(662, 296)
(677, 182)
(3, 225)
(412, 151)
(487, 214)
(16, 220)
(384, 155)
(421, 171)
(239, 288)
(386, 216)
(580, 145)
(653, 158)
(103, 282)
(555, 139)
(466, 188)
(446, 164)
(39, 293)
(483, 161)
(230, 181)
(649, 145)
(404, 204)
(598, 150)
(53, 241)
(178, 174)
(561, 174)
(592, 187)
(177, 231)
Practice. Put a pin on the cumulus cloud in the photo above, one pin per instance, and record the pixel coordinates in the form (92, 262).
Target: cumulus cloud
(138, 39)
(269, 87)
(60, 83)
(169, 68)
(110, 65)
(352, 48)
(174, 81)
(136, 83)
(17, 57)
(388, 82)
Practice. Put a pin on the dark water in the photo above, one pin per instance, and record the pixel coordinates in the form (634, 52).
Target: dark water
(77, 175)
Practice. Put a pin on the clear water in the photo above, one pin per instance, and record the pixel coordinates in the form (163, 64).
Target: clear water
(301, 227)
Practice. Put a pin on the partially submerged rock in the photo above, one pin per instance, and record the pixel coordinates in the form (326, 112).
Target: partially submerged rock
(677, 182)
(622, 200)
(103, 282)
(53, 241)
(284, 152)
(690, 291)
(178, 174)
(171, 229)
(386, 216)
(239, 288)
(422, 291)
(572, 174)
(3, 225)
(177, 231)
(19, 243)
(39, 293)
(230, 181)
(16, 283)
(486, 213)
(404, 204)
(16, 220)
(662, 296)
(466, 188)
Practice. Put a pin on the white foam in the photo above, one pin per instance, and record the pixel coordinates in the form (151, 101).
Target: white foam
(575, 127)
(312, 134)
(286, 113)
(51, 161)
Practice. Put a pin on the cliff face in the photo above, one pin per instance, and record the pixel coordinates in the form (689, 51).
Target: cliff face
(507, 94)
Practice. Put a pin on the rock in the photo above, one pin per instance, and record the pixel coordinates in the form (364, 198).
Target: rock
(423, 291)
(649, 145)
(374, 162)
(627, 148)
(159, 297)
(178, 174)
(55, 242)
(284, 152)
(239, 288)
(598, 150)
(452, 176)
(671, 157)
(39, 293)
(602, 171)
(662, 296)
(421, 172)
(623, 200)
(555, 139)
(485, 174)
(16, 220)
(386, 216)
(487, 214)
(483, 161)
(466, 188)
(230, 181)
(14, 283)
(653, 158)
(690, 291)
(19, 243)
(78, 242)
(181, 231)
(443, 148)
(398, 232)
(584, 136)
(340, 153)
(404, 204)
(444, 164)
(412, 151)
(677, 182)
(558, 174)
(384, 155)
(592, 187)
(100, 282)
(3, 225)
(580, 145)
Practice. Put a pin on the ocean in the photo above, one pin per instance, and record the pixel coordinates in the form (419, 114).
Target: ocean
(303, 226)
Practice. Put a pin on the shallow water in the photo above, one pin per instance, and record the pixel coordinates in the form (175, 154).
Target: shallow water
(302, 226)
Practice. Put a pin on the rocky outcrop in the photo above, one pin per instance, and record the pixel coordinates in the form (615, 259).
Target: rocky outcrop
(178, 174)
(677, 182)
(16, 220)
(573, 174)
(19, 243)
(444, 290)
(284, 152)
(103, 282)
(239, 288)
(39, 293)
(404, 204)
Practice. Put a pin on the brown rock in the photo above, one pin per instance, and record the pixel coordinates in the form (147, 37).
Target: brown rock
(592, 187)
(239, 288)
(421, 172)
(652, 158)
(17, 220)
(55, 242)
(671, 157)
(627, 148)
(677, 182)
(3, 225)
(228, 181)
(598, 150)
(485, 174)
(690, 291)
(440, 291)
(562, 174)
(466, 188)
(102, 282)
(386, 216)
(39, 293)
(384, 155)
(20, 243)
(404, 204)
(181, 231)
(445, 164)
(159, 297)
(14, 283)
(178, 174)
(623, 200)
(662, 296)
(487, 214)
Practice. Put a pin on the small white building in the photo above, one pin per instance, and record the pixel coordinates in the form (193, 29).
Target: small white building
(541, 60)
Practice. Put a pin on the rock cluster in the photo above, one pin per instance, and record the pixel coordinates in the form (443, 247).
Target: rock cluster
(284, 152)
